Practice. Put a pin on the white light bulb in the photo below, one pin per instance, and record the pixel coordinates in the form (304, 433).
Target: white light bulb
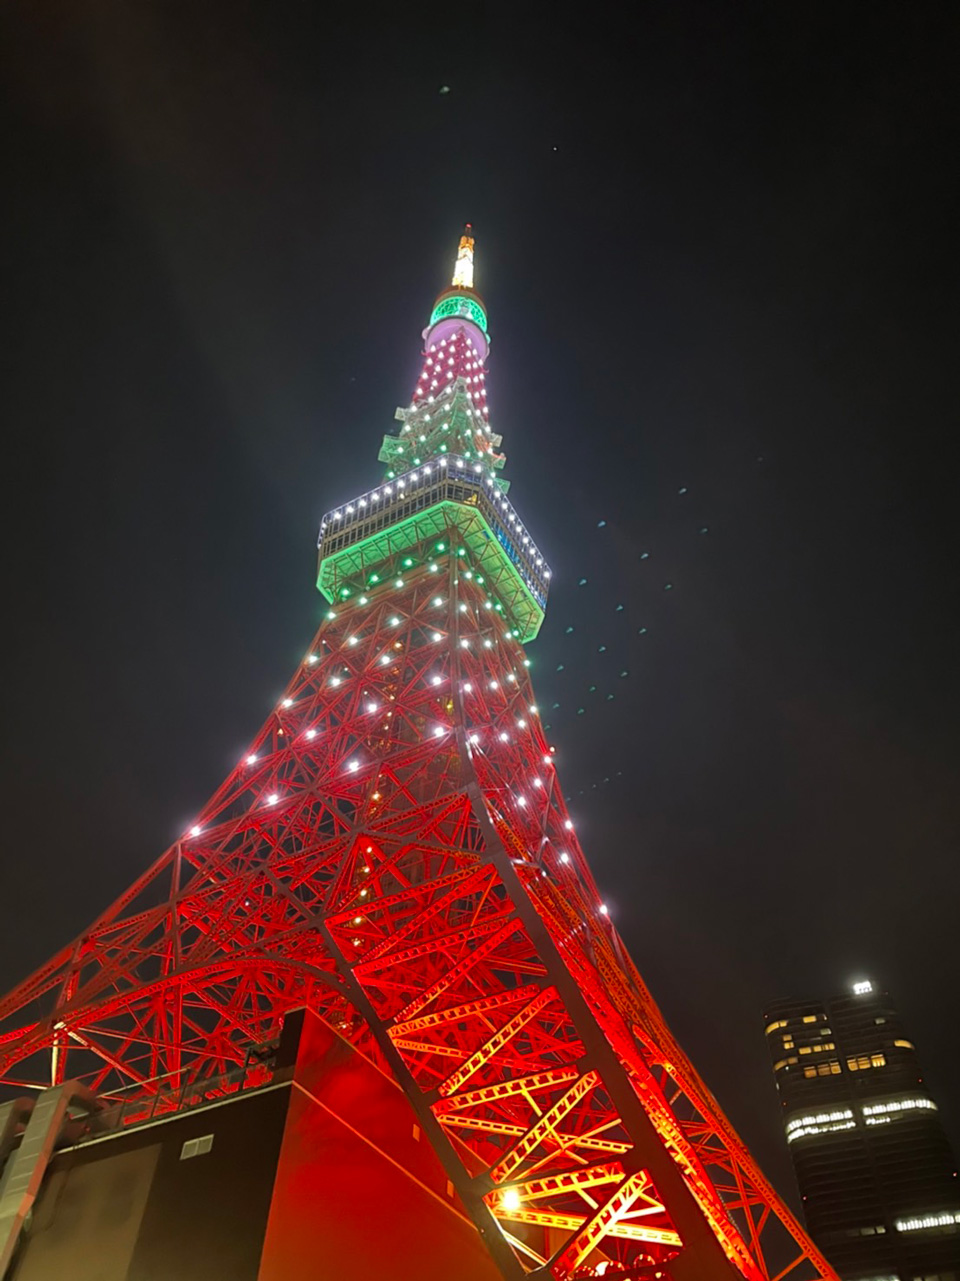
(251, 759)
(287, 702)
(311, 733)
(272, 798)
(195, 830)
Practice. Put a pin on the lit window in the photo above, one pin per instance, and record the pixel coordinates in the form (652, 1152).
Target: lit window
(831, 1068)
(785, 1063)
(772, 1027)
(808, 1123)
(788, 1042)
(944, 1219)
(809, 1018)
(883, 1113)
(865, 1061)
(905, 1045)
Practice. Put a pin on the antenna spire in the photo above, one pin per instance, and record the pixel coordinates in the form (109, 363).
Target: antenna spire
(463, 271)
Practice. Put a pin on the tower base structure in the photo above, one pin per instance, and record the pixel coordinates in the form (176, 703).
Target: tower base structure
(308, 1165)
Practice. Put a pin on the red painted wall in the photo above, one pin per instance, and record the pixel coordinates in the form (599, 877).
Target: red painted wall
(356, 1195)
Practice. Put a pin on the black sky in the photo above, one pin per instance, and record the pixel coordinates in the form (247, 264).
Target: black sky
(718, 245)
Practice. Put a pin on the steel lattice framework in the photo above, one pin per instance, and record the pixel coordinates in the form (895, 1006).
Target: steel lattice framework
(394, 851)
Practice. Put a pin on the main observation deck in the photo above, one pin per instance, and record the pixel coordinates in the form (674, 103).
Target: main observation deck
(374, 539)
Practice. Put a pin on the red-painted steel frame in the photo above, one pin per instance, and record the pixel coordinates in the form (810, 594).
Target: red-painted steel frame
(394, 851)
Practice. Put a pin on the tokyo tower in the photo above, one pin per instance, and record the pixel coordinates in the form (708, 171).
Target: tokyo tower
(393, 852)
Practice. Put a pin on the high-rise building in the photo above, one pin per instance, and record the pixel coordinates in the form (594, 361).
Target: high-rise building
(876, 1173)
(392, 851)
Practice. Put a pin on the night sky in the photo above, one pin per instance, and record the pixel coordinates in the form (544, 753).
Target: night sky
(718, 247)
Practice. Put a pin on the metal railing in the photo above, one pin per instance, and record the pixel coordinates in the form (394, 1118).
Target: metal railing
(446, 477)
(133, 1106)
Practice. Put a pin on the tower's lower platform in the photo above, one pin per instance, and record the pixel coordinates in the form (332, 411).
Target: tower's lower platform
(319, 1173)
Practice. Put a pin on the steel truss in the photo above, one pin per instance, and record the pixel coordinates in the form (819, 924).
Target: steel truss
(394, 851)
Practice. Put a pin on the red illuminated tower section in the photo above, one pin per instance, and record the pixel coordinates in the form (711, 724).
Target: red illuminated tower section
(393, 851)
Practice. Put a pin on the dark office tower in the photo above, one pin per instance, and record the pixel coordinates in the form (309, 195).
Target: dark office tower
(876, 1173)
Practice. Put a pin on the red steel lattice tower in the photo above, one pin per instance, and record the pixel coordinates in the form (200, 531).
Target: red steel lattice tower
(393, 850)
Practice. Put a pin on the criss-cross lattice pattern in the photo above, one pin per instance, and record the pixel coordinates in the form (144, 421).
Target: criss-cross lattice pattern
(393, 850)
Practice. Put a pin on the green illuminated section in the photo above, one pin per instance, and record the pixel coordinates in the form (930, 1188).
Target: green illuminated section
(445, 529)
(444, 427)
(460, 305)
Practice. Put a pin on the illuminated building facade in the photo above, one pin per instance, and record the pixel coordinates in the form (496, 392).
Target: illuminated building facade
(876, 1173)
(392, 853)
